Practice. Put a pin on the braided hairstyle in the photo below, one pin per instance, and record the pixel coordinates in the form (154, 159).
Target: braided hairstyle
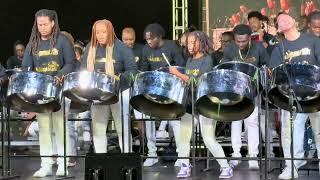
(205, 43)
(35, 36)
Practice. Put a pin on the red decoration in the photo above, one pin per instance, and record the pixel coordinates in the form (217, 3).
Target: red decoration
(302, 9)
(271, 4)
(235, 19)
(264, 11)
(285, 5)
(309, 7)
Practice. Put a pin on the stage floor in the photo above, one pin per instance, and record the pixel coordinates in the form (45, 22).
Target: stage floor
(26, 166)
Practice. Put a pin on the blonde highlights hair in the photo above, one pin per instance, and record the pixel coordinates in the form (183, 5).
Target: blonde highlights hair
(111, 36)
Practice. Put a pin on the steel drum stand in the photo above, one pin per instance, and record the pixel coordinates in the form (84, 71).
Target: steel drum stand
(65, 142)
(193, 127)
(293, 109)
(6, 158)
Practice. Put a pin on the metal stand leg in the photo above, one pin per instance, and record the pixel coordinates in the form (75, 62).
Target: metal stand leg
(65, 143)
(6, 163)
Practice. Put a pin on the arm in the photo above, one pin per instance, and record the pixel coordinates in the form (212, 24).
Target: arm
(84, 58)
(173, 70)
(263, 56)
(69, 57)
(177, 56)
(127, 56)
(317, 51)
(27, 62)
(276, 57)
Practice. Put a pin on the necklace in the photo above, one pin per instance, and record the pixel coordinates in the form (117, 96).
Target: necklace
(240, 54)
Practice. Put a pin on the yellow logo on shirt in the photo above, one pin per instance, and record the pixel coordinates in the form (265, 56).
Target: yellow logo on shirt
(155, 59)
(193, 72)
(292, 54)
(50, 52)
(52, 66)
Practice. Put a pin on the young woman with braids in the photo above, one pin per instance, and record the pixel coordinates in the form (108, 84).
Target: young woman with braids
(199, 62)
(106, 54)
(49, 52)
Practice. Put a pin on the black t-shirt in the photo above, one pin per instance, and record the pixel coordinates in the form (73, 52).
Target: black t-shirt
(152, 59)
(256, 54)
(137, 51)
(304, 50)
(217, 56)
(197, 67)
(59, 60)
(124, 62)
(14, 62)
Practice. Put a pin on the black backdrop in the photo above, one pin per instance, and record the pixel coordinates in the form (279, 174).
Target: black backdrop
(77, 17)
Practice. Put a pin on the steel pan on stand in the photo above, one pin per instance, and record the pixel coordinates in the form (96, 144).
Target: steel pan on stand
(33, 92)
(225, 95)
(159, 94)
(305, 83)
(84, 88)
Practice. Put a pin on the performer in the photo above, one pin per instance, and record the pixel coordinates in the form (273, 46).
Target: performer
(129, 39)
(16, 60)
(152, 59)
(314, 23)
(105, 53)
(255, 19)
(296, 48)
(245, 50)
(226, 39)
(200, 62)
(49, 52)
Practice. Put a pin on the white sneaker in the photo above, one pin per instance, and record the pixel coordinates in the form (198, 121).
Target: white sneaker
(178, 163)
(253, 165)
(185, 171)
(150, 162)
(235, 162)
(286, 173)
(43, 172)
(60, 171)
(226, 173)
(86, 136)
(300, 163)
(162, 134)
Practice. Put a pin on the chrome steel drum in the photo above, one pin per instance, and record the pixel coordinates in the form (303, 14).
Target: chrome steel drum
(33, 92)
(159, 94)
(225, 95)
(247, 68)
(305, 82)
(86, 87)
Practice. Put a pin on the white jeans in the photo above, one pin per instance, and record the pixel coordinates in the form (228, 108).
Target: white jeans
(151, 132)
(208, 128)
(52, 123)
(298, 133)
(101, 114)
(252, 126)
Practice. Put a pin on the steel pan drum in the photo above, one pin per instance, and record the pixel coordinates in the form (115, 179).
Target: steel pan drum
(247, 68)
(85, 88)
(305, 82)
(225, 95)
(33, 92)
(159, 94)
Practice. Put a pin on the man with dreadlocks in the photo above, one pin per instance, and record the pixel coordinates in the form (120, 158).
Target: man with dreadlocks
(49, 52)
(152, 59)
(199, 62)
(106, 54)
(245, 50)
